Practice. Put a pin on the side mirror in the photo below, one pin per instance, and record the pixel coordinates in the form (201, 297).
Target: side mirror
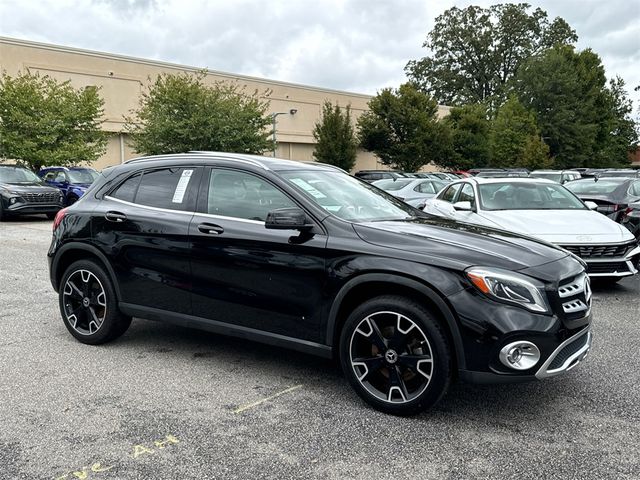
(287, 219)
(463, 206)
(591, 205)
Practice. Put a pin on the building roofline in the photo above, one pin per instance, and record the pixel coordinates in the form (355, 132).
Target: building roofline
(176, 66)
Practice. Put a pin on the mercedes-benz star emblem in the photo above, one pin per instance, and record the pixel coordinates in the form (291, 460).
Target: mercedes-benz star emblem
(391, 356)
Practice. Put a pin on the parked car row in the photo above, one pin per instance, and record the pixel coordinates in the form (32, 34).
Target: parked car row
(23, 192)
(616, 192)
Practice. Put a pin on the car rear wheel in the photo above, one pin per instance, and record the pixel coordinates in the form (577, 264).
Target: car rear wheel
(395, 355)
(88, 304)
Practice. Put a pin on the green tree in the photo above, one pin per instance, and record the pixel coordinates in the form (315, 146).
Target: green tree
(47, 122)
(585, 123)
(515, 138)
(619, 135)
(476, 51)
(180, 112)
(402, 129)
(336, 143)
(470, 128)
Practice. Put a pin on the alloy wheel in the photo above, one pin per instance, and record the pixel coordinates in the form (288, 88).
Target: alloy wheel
(391, 357)
(85, 302)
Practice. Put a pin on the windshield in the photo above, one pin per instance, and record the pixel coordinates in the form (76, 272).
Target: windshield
(527, 196)
(591, 187)
(82, 176)
(392, 185)
(18, 175)
(556, 177)
(348, 198)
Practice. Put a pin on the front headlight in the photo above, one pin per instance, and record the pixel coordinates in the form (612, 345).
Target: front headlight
(510, 287)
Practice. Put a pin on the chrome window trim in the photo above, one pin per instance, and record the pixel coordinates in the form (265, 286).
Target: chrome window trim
(185, 212)
(223, 217)
(149, 207)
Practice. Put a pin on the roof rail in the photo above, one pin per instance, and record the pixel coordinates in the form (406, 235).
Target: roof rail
(183, 156)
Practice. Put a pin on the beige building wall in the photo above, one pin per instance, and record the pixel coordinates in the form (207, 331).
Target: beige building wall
(122, 79)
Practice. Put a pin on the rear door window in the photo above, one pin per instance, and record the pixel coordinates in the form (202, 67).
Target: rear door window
(167, 188)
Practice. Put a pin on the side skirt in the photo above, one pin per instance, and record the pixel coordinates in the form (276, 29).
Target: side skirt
(228, 329)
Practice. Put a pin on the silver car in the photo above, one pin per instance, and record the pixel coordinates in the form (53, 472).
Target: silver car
(414, 191)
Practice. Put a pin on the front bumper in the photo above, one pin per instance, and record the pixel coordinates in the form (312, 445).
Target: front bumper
(617, 267)
(563, 338)
(568, 354)
(32, 208)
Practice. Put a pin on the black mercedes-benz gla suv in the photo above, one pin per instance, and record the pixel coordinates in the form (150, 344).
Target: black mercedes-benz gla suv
(304, 256)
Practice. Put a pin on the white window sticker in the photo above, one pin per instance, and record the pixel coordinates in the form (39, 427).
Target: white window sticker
(310, 189)
(181, 188)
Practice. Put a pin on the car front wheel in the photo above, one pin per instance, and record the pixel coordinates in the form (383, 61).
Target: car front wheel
(395, 355)
(88, 304)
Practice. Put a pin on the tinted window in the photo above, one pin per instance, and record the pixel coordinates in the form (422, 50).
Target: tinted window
(170, 188)
(449, 194)
(127, 189)
(243, 195)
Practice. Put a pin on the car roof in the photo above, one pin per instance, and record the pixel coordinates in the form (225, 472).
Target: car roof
(485, 180)
(554, 171)
(56, 167)
(264, 163)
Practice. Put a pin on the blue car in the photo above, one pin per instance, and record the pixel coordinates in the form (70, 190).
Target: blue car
(72, 181)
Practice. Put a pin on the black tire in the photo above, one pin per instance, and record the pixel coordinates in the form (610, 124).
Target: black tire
(88, 304)
(3, 215)
(51, 216)
(398, 359)
(71, 200)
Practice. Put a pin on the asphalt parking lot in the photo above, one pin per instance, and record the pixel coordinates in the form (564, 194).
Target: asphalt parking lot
(165, 402)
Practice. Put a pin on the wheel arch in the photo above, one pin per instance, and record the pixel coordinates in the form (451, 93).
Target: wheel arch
(371, 285)
(74, 251)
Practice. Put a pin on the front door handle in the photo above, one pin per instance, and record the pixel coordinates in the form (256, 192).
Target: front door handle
(210, 228)
(115, 216)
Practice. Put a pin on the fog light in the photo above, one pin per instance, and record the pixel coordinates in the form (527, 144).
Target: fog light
(520, 355)
(13, 200)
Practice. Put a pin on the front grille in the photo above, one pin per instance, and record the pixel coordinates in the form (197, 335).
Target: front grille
(47, 197)
(600, 251)
(575, 296)
(567, 351)
(607, 267)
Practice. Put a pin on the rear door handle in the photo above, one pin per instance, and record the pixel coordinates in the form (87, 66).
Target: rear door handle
(115, 216)
(210, 228)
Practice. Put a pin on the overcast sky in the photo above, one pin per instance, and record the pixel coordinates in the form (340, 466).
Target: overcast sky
(355, 45)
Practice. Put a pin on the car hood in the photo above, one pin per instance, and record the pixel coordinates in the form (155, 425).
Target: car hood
(460, 245)
(84, 186)
(27, 187)
(560, 226)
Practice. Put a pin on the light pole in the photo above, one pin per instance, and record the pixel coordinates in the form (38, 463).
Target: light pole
(273, 116)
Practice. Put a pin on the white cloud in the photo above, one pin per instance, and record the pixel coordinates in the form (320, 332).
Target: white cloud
(356, 45)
